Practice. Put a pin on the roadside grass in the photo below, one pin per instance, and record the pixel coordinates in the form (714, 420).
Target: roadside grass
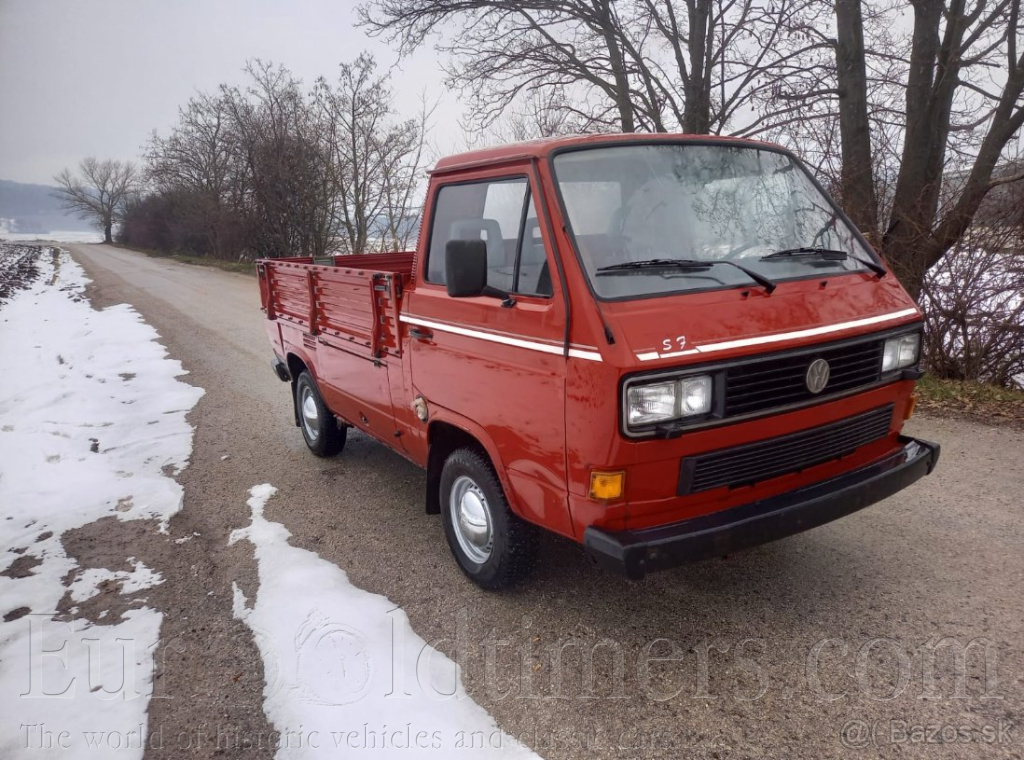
(242, 267)
(967, 398)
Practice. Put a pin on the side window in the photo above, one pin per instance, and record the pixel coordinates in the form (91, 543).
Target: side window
(503, 210)
(492, 212)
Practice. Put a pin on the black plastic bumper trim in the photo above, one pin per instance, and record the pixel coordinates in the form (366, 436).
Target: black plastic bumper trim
(638, 552)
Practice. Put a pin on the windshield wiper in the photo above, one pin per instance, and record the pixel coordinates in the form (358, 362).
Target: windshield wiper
(825, 254)
(692, 264)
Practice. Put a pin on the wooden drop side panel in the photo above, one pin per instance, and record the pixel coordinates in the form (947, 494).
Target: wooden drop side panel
(349, 316)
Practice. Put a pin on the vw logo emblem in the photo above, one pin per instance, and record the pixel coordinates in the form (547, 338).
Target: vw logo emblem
(817, 375)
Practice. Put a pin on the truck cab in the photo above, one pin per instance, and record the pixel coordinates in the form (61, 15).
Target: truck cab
(664, 347)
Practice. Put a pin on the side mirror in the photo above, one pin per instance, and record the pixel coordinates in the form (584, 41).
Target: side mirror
(465, 267)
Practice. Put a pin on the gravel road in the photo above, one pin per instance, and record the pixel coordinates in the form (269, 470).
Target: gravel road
(896, 632)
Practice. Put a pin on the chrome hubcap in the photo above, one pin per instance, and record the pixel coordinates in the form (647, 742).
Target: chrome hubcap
(310, 416)
(471, 517)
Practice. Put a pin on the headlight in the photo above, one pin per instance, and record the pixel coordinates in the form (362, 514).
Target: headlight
(668, 400)
(652, 403)
(695, 395)
(901, 351)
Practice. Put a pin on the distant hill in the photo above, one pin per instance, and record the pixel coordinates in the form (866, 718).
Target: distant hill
(33, 209)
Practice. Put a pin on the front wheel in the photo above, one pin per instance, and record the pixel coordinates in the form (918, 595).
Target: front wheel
(320, 429)
(492, 545)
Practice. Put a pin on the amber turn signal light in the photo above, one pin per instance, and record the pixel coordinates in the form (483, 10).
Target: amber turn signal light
(911, 405)
(607, 486)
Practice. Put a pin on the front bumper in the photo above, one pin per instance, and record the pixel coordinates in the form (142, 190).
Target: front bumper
(638, 552)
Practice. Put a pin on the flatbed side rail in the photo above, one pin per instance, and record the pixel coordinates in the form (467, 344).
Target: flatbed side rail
(348, 306)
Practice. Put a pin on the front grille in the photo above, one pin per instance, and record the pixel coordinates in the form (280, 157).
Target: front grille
(780, 381)
(752, 463)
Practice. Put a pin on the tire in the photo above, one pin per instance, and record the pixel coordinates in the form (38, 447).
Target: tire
(493, 546)
(324, 436)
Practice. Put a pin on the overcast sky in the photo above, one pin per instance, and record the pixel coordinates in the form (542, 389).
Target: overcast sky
(95, 77)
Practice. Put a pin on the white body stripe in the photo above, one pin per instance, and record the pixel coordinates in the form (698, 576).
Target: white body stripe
(589, 353)
(764, 339)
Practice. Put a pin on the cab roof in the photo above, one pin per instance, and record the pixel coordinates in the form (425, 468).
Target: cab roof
(543, 147)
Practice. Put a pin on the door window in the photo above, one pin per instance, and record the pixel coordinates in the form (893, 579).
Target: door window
(503, 215)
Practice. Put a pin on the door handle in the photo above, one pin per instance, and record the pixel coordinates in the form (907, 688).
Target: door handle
(419, 334)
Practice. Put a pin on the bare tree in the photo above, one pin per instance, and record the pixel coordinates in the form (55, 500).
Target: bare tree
(274, 141)
(98, 192)
(973, 298)
(273, 169)
(540, 115)
(375, 160)
(629, 65)
(936, 109)
(403, 183)
(944, 97)
(857, 186)
(197, 166)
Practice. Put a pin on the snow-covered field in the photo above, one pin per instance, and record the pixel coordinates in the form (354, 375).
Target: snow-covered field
(88, 421)
(54, 236)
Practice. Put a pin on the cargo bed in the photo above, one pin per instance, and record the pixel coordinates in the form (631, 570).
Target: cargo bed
(352, 304)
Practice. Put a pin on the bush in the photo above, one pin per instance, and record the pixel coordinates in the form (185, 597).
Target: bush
(183, 222)
(974, 310)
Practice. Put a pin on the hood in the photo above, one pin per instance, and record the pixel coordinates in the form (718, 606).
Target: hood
(669, 330)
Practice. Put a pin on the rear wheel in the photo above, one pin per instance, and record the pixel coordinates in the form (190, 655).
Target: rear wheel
(324, 436)
(492, 545)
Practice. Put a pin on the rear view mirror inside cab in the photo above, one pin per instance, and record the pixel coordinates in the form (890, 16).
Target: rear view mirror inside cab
(465, 267)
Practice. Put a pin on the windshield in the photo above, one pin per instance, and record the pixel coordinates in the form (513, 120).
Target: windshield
(638, 203)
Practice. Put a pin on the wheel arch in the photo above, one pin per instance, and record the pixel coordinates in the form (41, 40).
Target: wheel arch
(296, 365)
(445, 436)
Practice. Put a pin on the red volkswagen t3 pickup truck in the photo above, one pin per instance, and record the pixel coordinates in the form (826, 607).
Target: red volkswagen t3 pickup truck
(663, 347)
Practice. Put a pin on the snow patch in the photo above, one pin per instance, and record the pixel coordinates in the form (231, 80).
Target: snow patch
(77, 448)
(345, 674)
(87, 584)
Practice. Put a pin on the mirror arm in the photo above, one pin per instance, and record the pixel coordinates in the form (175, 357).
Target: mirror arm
(507, 301)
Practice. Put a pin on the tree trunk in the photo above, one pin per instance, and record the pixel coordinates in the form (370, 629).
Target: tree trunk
(623, 101)
(857, 185)
(931, 83)
(107, 228)
(697, 89)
